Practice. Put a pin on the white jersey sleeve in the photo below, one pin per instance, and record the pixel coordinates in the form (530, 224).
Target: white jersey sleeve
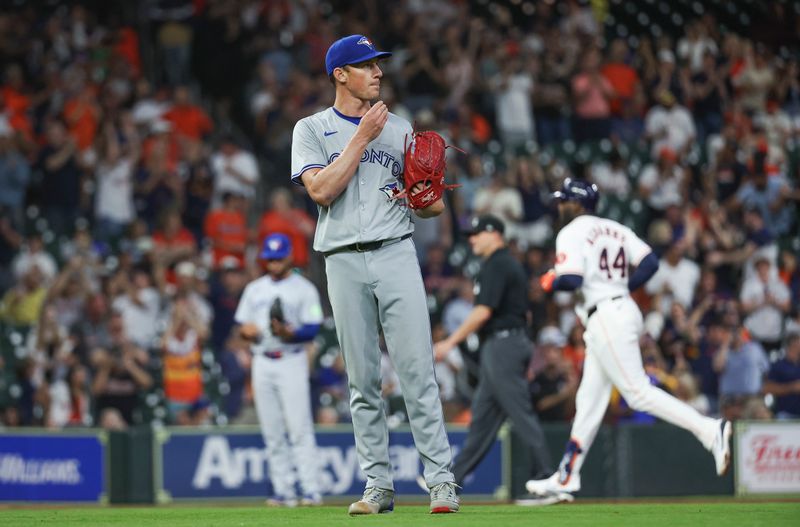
(311, 307)
(307, 150)
(244, 311)
(570, 258)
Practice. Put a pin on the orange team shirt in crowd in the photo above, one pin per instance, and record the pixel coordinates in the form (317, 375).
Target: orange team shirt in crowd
(272, 222)
(15, 105)
(183, 238)
(82, 120)
(226, 227)
(127, 47)
(183, 375)
(623, 79)
(595, 105)
(173, 152)
(189, 121)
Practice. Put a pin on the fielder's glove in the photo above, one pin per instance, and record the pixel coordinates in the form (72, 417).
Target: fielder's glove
(424, 166)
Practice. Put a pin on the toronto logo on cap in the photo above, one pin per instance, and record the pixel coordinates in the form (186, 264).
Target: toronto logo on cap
(274, 245)
(365, 41)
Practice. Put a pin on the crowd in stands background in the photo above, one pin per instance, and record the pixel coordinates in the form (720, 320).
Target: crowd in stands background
(144, 154)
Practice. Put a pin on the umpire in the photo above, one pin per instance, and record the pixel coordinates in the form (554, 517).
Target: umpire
(499, 318)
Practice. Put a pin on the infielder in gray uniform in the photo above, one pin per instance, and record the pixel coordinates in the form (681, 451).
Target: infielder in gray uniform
(350, 159)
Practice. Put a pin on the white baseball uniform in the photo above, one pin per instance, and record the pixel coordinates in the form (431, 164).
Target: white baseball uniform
(602, 251)
(280, 381)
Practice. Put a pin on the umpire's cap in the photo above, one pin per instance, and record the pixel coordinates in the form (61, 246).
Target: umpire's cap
(487, 223)
(277, 246)
(578, 191)
(351, 50)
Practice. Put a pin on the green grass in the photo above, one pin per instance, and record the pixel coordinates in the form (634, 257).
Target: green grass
(688, 513)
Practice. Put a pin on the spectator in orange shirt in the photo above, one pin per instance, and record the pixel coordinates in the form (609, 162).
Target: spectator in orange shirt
(82, 115)
(173, 243)
(188, 119)
(621, 76)
(226, 229)
(285, 218)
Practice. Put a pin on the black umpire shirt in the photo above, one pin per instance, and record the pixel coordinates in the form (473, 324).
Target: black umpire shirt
(502, 286)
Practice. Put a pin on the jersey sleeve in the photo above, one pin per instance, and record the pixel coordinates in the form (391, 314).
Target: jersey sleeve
(243, 312)
(311, 310)
(307, 151)
(635, 248)
(569, 253)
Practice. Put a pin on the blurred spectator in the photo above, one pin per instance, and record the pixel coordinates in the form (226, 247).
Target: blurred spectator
(742, 364)
(33, 254)
(187, 290)
(70, 400)
(611, 176)
(235, 360)
(756, 78)
(669, 126)
(226, 229)
(22, 304)
(284, 217)
(139, 306)
(189, 121)
(90, 330)
(765, 301)
(554, 383)
(707, 94)
(513, 88)
(113, 207)
(60, 188)
(664, 183)
(118, 377)
(173, 243)
(696, 45)
(224, 297)
(622, 78)
(235, 171)
(783, 380)
(181, 346)
(592, 94)
(767, 194)
(15, 174)
(675, 280)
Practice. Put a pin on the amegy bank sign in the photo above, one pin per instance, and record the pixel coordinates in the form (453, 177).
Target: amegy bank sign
(233, 464)
(768, 457)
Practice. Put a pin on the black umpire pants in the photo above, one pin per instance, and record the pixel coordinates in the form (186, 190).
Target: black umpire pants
(503, 393)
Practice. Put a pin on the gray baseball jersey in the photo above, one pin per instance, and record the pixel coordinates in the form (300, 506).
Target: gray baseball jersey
(364, 212)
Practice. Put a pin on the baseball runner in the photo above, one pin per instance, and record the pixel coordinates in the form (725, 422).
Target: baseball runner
(596, 255)
(351, 160)
(278, 313)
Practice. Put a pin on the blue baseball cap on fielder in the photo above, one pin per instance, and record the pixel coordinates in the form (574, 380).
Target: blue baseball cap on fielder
(351, 50)
(276, 247)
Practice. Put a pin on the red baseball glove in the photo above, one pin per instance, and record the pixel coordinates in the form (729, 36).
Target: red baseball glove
(424, 169)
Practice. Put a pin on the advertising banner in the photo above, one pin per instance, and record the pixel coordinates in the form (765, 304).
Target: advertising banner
(767, 457)
(232, 463)
(53, 467)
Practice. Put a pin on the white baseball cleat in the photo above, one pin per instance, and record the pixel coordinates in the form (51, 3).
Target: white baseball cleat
(554, 485)
(722, 447)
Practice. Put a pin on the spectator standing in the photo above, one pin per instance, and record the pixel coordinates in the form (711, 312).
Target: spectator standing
(225, 228)
(766, 301)
(783, 380)
(592, 94)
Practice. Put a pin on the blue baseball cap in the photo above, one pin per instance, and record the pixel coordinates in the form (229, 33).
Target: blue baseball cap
(351, 50)
(276, 247)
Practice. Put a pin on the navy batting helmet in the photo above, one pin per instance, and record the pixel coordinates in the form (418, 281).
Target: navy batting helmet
(578, 191)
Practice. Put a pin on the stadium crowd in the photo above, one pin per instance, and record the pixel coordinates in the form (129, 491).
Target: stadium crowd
(144, 153)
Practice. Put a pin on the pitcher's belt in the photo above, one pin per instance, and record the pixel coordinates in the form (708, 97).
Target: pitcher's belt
(362, 247)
